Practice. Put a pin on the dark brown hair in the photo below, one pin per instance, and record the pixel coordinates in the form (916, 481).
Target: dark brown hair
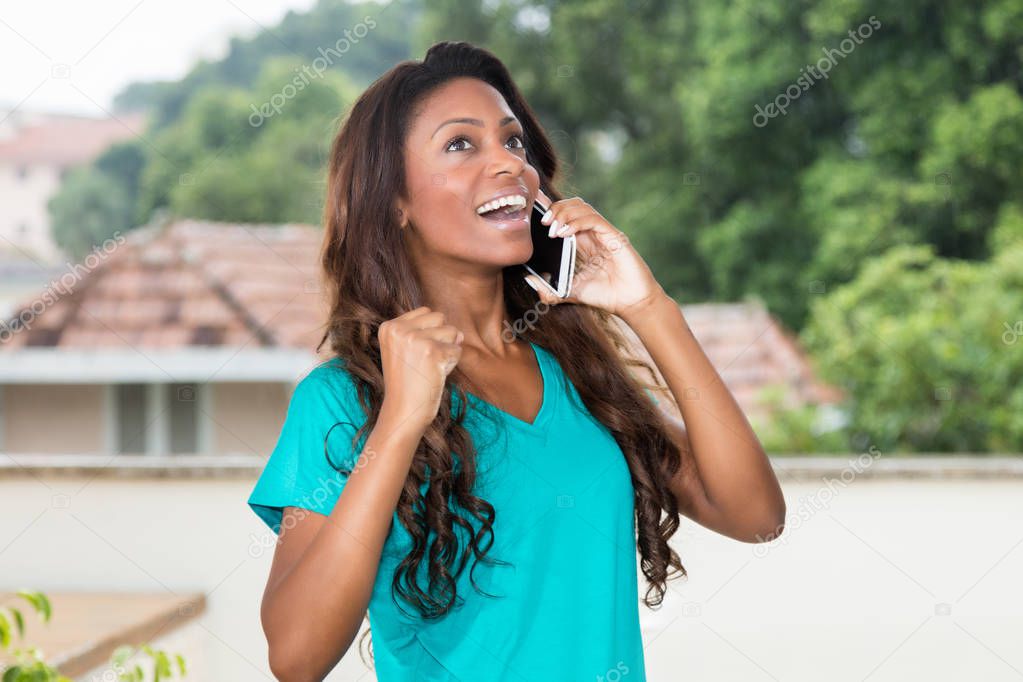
(369, 279)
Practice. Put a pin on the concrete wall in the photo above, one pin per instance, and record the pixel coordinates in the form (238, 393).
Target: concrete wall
(880, 579)
(53, 419)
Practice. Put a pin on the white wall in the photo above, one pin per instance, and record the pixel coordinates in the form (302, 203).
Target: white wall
(853, 590)
(23, 202)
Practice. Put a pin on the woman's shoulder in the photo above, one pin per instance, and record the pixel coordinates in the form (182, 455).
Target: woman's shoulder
(332, 371)
(328, 382)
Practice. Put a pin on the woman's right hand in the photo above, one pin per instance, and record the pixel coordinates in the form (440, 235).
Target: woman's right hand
(418, 351)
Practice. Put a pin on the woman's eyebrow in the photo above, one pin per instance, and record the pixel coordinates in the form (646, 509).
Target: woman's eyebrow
(473, 121)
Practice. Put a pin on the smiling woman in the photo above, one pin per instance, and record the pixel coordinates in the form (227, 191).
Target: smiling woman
(480, 485)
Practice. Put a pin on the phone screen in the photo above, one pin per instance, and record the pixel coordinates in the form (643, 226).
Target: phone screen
(547, 251)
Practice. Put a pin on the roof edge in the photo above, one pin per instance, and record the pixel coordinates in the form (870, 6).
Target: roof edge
(157, 365)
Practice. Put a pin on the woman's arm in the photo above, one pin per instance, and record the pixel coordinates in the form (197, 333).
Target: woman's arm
(734, 490)
(324, 567)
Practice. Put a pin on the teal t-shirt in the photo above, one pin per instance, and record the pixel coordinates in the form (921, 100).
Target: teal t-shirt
(567, 608)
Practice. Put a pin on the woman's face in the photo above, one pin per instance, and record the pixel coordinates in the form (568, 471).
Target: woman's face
(452, 168)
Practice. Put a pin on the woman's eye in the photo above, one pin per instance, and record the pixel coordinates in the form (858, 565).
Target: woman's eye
(461, 138)
(457, 139)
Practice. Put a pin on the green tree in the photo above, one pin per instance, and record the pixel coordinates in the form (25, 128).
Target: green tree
(90, 208)
(253, 155)
(928, 348)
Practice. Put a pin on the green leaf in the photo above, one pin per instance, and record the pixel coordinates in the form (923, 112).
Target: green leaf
(39, 602)
(5, 631)
(19, 621)
(47, 608)
(181, 663)
(120, 655)
(163, 668)
(30, 597)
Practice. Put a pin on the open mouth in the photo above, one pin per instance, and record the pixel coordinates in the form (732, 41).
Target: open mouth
(504, 214)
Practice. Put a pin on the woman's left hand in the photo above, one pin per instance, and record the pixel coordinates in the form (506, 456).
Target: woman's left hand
(609, 273)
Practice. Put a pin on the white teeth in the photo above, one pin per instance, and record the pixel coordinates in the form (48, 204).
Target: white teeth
(510, 200)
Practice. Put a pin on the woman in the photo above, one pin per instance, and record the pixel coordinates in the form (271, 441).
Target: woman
(475, 466)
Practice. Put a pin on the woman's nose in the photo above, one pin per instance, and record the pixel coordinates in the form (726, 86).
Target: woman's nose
(508, 161)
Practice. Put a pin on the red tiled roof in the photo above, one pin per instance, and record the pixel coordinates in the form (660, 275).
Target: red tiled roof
(68, 140)
(751, 351)
(190, 283)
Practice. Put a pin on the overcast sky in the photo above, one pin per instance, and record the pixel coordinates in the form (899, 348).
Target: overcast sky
(73, 56)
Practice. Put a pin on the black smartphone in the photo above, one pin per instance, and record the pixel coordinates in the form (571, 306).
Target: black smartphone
(553, 259)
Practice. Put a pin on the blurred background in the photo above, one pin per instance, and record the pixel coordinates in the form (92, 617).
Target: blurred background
(831, 191)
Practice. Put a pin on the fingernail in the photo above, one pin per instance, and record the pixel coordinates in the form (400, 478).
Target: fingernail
(459, 337)
(546, 217)
(554, 226)
(530, 283)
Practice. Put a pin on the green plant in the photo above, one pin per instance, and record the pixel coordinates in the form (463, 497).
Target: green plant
(30, 666)
(162, 668)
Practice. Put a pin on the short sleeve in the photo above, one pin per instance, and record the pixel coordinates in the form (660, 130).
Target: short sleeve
(314, 453)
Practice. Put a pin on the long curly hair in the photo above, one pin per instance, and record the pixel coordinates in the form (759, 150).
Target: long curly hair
(369, 279)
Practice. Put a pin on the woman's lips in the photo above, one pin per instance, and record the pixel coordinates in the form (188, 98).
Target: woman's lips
(519, 220)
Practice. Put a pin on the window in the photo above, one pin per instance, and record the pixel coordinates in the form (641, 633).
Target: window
(182, 410)
(156, 418)
(131, 419)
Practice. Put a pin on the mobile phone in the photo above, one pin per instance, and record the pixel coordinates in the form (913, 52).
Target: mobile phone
(553, 259)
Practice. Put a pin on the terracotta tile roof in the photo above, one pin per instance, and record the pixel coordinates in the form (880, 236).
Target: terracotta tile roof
(190, 283)
(751, 351)
(67, 140)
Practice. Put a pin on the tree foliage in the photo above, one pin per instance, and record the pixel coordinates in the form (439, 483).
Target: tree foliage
(90, 208)
(930, 350)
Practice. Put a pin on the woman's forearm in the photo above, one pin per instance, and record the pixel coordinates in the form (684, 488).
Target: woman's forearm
(735, 472)
(313, 612)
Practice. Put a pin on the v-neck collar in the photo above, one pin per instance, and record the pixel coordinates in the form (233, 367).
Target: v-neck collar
(543, 416)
